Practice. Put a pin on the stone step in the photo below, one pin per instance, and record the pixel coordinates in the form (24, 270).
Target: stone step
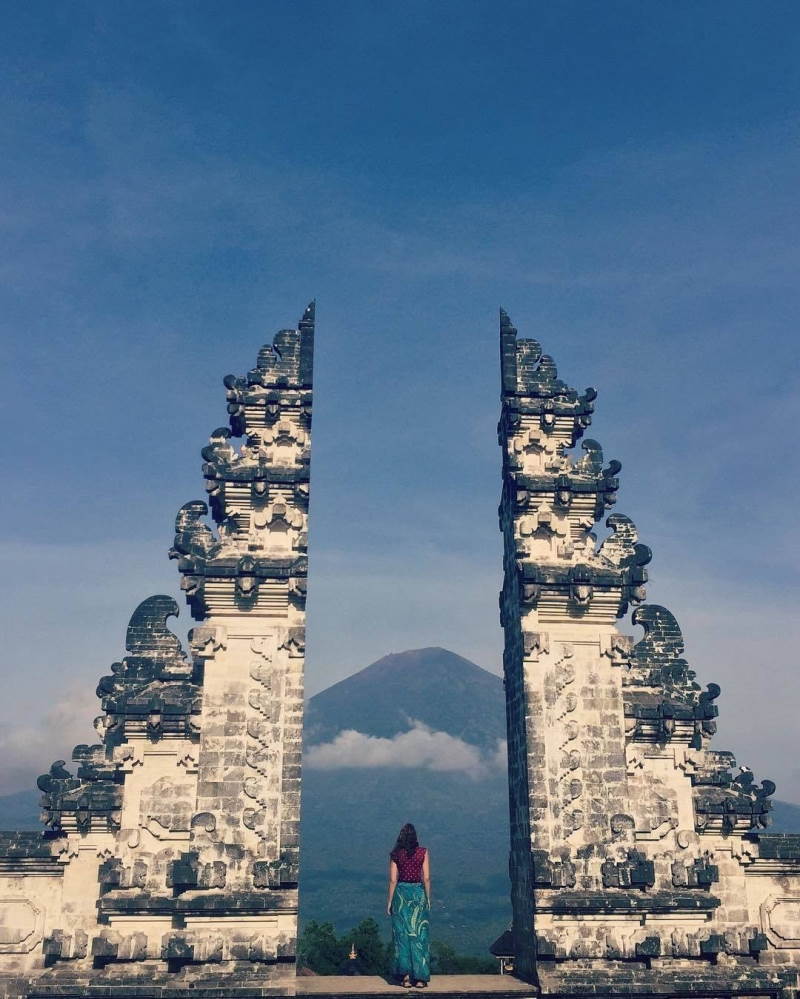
(372, 987)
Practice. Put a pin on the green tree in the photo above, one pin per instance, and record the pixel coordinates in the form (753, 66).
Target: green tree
(320, 949)
(446, 961)
(373, 954)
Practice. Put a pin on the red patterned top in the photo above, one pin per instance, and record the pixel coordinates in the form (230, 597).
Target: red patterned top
(409, 866)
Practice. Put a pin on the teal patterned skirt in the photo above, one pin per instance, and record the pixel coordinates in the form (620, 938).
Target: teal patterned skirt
(410, 927)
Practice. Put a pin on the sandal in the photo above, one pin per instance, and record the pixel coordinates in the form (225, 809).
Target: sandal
(406, 982)
(420, 985)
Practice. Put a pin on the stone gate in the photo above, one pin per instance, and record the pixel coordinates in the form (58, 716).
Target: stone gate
(168, 864)
(169, 859)
(639, 861)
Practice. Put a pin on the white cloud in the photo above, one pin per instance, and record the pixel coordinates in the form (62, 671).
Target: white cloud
(29, 749)
(420, 748)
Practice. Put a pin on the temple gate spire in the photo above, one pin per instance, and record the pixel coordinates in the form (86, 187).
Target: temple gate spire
(170, 856)
(639, 862)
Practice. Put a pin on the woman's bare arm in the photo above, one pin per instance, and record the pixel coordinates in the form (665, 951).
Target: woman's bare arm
(393, 872)
(426, 875)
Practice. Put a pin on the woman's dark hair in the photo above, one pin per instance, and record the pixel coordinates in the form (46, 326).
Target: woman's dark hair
(406, 840)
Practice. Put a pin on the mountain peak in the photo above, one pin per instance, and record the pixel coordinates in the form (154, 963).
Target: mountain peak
(432, 685)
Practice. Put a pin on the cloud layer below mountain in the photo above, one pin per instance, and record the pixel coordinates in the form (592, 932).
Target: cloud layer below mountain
(421, 747)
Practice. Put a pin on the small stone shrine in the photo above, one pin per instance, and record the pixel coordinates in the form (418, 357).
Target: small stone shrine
(640, 864)
(169, 860)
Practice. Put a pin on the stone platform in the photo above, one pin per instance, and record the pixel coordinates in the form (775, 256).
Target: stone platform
(366, 986)
(664, 980)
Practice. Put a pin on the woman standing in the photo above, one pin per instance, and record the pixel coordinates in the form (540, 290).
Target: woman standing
(409, 904)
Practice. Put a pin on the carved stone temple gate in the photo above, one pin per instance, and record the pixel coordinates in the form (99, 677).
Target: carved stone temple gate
(639, 864)
(169, 861)
(170, 857)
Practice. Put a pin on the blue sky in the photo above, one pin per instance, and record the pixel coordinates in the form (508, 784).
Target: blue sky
(179, 179)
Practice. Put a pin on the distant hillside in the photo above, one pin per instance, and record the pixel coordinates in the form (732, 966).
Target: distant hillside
(20, 810)
(352, 814)
(785, 817)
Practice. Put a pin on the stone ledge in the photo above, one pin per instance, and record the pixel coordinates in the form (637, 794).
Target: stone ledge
(372, 987)
(639, 982)
(619, 901)
(778, 846)
(282, 899)
(26, 846)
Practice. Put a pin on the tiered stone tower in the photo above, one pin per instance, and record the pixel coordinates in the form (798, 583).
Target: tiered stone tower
(638, 861)
(170, 855)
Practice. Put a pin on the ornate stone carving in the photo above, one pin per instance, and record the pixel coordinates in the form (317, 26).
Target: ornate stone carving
(21, 925)
(780, 920)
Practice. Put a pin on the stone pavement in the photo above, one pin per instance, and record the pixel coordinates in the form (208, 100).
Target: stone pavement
(474, 986)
